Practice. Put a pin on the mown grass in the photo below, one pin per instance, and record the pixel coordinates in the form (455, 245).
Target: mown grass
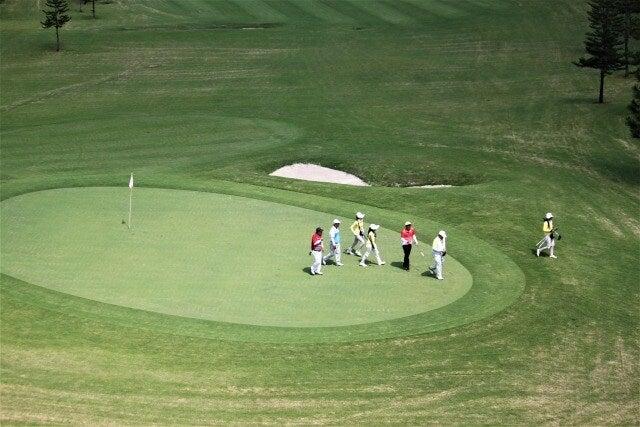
(405, 92)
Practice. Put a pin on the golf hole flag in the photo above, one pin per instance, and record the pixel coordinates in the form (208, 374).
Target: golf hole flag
(130, 199)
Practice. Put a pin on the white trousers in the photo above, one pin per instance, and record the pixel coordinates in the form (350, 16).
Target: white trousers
(335, 254)
(547, 243)
(438, 261)
(358, 243)
(368, 252)
(317, 262)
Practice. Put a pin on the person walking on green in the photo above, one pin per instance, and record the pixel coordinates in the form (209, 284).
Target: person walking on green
(407, 239)
(439, 251)
(334, 246)
(357, 228)
(316, 252)
(371, 246)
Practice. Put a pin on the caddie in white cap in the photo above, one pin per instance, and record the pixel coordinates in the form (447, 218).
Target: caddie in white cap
(549, 239)
(357, 228)
(372, 246)
(439, 251)
(334, 245)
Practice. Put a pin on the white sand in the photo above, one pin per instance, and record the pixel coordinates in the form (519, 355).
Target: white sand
(311, 172)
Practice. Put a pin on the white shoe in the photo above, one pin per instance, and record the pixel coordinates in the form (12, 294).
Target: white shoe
(348, 252)
(537, 252)
(439, 278)
(313, 273)
(382, 263)
(552, 256)
(363, 265)
(319, 273)
(339, 264)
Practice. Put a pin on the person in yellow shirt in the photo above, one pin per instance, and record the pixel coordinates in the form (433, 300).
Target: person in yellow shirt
(549, 239)
(357, 228)
(372, 246)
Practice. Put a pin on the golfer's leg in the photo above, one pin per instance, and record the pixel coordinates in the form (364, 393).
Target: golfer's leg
(318, 258)
(407, 250)
(439, 266)
(377, 254)
(337, 256)
(364, 257)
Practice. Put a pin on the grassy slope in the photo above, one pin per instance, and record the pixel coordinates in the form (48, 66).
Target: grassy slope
(476, 92)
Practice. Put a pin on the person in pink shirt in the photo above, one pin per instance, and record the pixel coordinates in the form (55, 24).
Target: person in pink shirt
(316, 252)
(407, 238)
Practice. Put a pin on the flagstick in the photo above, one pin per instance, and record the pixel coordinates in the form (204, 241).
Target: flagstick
(130, 200)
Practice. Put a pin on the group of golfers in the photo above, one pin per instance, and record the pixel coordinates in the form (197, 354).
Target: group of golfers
(366, 239)
(365, 244)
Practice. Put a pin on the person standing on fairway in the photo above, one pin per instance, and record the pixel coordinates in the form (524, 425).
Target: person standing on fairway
(316, 252)
(439, 251)
(549, 239)
(407, 238)
(357, 228)
(372, 246)
(334, 235)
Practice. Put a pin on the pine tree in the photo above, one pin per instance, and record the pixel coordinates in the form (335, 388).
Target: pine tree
(629, 9)
(56, 17)
(604, 41)
(633, 119)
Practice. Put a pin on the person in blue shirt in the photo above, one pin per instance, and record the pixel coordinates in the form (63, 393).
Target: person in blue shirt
(334, 249)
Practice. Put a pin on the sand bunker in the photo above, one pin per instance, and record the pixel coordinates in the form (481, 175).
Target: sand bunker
(311, 172)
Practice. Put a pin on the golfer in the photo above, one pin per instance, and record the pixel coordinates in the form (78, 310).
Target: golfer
(316, 251)
(439, 251)
(357, 228)
(407, 239)
(549, 239)
(372, 246)
(334, 235)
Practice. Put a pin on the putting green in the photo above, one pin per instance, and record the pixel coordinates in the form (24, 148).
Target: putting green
(208, 256)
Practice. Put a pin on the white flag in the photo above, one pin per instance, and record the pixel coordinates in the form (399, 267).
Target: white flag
(131, 181)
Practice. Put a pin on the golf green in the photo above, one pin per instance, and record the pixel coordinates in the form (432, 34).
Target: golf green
(209, 256)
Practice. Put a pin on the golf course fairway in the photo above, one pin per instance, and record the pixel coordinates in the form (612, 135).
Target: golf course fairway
(210, 257)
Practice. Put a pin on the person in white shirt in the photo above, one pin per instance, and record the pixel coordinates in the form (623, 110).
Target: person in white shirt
(439, 251)
(334, 246)
(371, 246)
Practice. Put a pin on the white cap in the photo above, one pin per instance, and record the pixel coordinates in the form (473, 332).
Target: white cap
(374, 226)
(359, 215)
(407, 223)
(549, 215)
(442, 233)
(336, 221)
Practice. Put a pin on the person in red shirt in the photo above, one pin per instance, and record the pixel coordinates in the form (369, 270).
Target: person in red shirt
(407, 238)
(316, 251)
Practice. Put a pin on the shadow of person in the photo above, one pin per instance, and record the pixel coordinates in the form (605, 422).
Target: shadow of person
(397, 264)
(307, 270)
(429, 273)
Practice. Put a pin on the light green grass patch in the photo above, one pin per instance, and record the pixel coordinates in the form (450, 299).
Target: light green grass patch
(208, 256)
